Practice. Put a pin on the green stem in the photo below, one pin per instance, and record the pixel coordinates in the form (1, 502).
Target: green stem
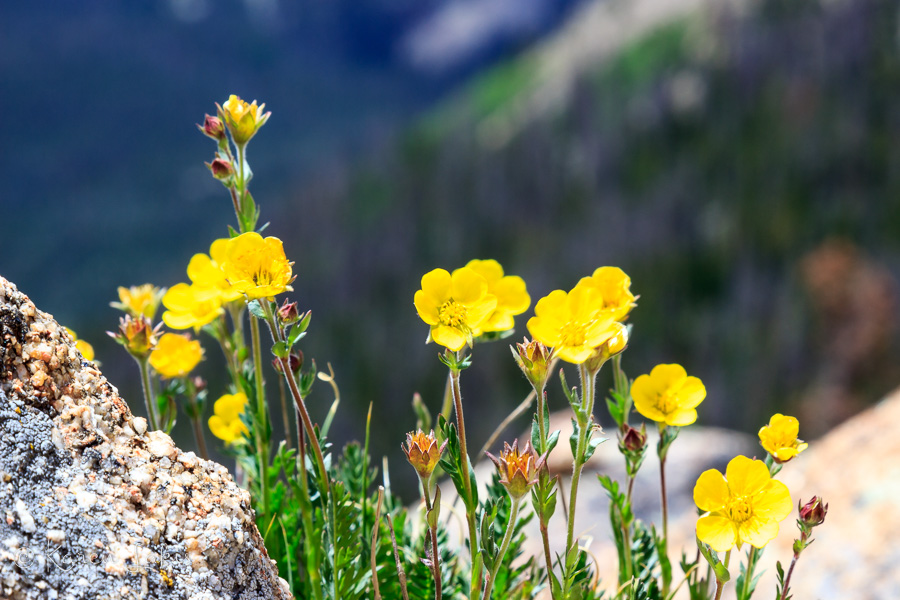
(195, 418)
(510, 527)
(584, 420)
(299, 403)
(461, 429)
(448, 397)
(144, 365)
(787, 580)
(720, 585)
(748, 574)
(435, 555)
(262, 450)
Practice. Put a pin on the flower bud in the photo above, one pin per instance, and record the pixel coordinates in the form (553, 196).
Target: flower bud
(213, 128)
(296, 362)
(422, 452)
(633, 440)
(199, 384)
(518, 470)
(221, 169)
(288, 312)
(137, 335)
(533, 358)
(813, 512)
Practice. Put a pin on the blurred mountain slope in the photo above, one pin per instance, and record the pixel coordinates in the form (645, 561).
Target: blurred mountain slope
(714, 158)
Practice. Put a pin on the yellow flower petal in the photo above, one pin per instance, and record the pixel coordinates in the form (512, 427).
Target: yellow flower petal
(436, 285)
(758, 532)
(451, 337)
(774, 502)
(711, 491)
(426, 307)
(746, 477)
(718, 532)
(665, 376)
(681, 418)
(467, 287)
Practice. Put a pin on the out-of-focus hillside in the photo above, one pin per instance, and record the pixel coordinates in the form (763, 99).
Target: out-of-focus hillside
(741, 165)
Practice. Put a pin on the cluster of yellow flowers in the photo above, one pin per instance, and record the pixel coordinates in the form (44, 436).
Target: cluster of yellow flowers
(473, 300)
(579, 323)
(244, 266)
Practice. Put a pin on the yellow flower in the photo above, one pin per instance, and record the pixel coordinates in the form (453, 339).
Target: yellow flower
(667, 395)
(512, 298)
(454, 305)
(256, 266)
(243, 119)
(176, 355)
(573, 324)
(139, 300)
(746, 505)
(226, 423)
(206, 271)
(614, 286)
(191, 306)
(87, 351)
(779, 438)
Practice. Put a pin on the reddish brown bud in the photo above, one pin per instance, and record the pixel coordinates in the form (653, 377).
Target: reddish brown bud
(213, 127)
(288, 312)
(221, 169)
(633, 440)
(813, 512)
(199, 384)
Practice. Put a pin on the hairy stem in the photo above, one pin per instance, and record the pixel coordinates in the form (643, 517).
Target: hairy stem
(262, 446)
(461, 429)
(720, 585)
(435, 555)
(510, 527)
(146, 384)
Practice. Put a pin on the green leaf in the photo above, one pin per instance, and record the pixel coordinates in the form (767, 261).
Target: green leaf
(435, 513)
(255, 309)
(281, 350)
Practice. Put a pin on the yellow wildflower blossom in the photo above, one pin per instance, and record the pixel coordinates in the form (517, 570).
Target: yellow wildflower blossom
(175, 355)
(667, 395)
(206, 271)
(191, 306)
(87, 351)
(779, 438)
(139, 300)
(454, 305)
(746, 505)
(243, 119)
(615, 288)
(256, 266)
(512, 297)
(573, 323)
(226, 423)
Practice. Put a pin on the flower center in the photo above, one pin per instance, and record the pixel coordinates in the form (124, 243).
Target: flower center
(573, 335)
(739, 509)
(667, 402)
(452, 313)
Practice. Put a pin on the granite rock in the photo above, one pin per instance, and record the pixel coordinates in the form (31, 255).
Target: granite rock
(95, 506)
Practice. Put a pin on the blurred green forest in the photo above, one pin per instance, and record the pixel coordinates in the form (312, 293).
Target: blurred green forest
(742, 168)
(740, 165)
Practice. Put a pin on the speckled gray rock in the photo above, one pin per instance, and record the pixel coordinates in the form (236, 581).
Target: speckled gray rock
(92, 505)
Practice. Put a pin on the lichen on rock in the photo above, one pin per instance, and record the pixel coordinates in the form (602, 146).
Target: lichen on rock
(92, 505)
